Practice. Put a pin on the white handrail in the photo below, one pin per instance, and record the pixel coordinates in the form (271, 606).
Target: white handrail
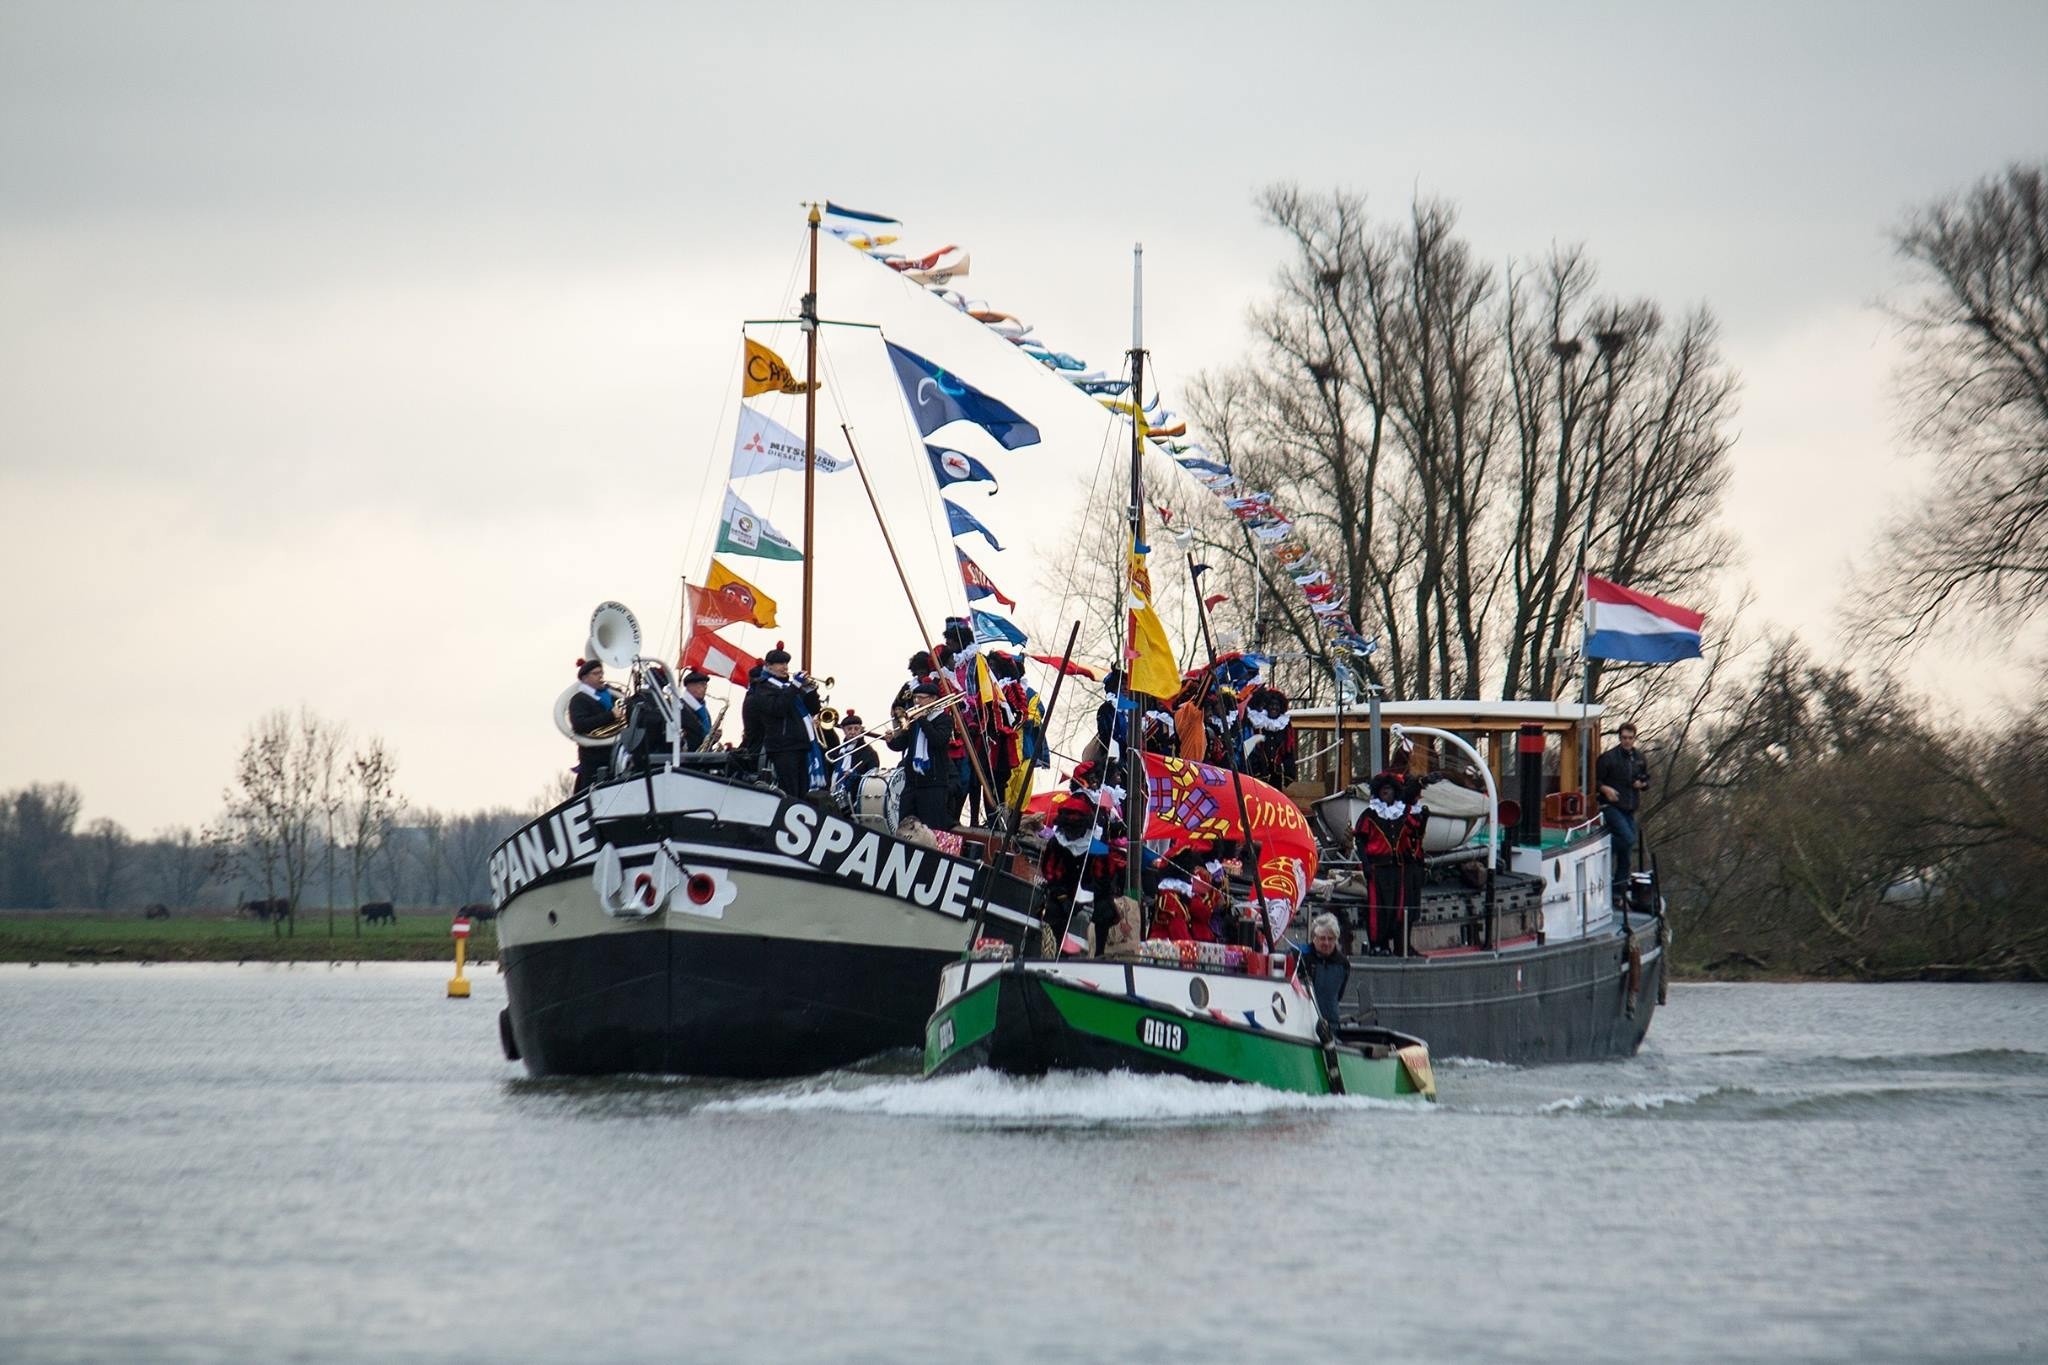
(1492, 792)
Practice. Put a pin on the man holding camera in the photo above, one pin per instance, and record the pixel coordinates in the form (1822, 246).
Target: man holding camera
(1622, 776)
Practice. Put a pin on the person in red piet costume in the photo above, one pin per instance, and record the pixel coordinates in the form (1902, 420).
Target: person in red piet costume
(1382, 833)
(1075, 856)
(1413, 826)
(1173, 906)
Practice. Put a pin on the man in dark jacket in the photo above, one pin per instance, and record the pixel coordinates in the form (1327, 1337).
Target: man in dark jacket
(776, 715)
(590, 710)
(856, 759)
(1622, 776)
(695, 715)
(927, 778)
(1323, 967)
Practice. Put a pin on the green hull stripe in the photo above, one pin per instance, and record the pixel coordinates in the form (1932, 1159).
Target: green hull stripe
(964, 1021)
(1225, 1051)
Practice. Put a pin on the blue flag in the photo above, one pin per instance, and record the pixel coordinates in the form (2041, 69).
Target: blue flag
(841, 211)
(963, 522)
(990, 628)
(953, 467)
(937, 397)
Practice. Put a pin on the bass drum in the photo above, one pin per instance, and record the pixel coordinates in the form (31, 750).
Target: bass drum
(880, 803)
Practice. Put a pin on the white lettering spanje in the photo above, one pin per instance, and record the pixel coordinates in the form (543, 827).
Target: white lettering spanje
(557, 842)
(576, 820)
(899, 869)
(834, 836)
(533, 852)
(958, 883)
(860, 864)
(799, 825)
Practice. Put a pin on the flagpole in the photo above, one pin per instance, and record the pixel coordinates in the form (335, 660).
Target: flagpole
(1585, 698)
(1136, 801)
(809, 318)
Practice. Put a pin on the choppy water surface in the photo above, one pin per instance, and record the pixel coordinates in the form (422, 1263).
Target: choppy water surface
(262, 1163)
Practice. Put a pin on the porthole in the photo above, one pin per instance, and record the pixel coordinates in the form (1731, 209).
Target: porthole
(1557, 872)
(1198, 991)
(551, 917)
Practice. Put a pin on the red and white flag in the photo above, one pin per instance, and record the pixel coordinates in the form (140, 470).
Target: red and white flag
(707, 653)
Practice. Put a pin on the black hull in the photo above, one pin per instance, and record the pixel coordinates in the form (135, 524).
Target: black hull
(664, 1001)
(1567, 1002)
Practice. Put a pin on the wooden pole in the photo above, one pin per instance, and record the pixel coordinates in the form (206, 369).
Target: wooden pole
(809, 317)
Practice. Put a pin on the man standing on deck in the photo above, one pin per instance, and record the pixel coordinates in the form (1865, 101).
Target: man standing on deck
(776, 714)
(1622, 776)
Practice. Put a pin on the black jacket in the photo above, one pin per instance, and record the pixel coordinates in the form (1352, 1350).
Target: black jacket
(587, 714)
(774, 716)
(1620, 769)
(938, 734)
(696, 729)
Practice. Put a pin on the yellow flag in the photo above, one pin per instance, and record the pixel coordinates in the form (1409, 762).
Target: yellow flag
(1153, 670)
(767, 374)
(750, 599)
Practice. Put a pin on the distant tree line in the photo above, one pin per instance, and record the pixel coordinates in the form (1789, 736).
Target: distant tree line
(307, 820)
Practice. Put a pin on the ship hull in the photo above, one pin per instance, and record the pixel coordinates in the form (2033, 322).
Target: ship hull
(1025, 1020)
(756, 959)
(1576, 1001)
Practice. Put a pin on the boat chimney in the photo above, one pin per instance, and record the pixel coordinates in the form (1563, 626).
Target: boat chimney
(1529, 767)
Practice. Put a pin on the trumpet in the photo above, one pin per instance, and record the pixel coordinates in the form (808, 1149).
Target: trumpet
(902, 721)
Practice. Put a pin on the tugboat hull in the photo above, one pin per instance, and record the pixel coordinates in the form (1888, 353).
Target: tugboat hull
(1024, 1021)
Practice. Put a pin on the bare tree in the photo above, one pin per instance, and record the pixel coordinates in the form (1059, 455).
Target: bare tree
(104, 852)
(35, 839)
(272, 808)
(372, 805)
(182, 863)
(1455, 455)
(1976, 395)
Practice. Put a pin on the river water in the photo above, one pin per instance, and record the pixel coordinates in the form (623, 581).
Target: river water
(313, 1163)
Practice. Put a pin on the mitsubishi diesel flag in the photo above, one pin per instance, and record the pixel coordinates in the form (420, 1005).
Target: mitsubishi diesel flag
(767, 374)
(1635, 627)
(937, 397)
(1151, 666)
(740, 532)
(761, 445)
(754, 606)
(709, 654)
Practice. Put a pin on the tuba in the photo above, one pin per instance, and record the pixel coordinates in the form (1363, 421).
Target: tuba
(615, 643)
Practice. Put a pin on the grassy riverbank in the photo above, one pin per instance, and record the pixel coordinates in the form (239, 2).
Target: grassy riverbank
(202, 936)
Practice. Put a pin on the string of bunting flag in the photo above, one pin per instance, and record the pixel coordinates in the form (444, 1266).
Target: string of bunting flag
(1270, 527)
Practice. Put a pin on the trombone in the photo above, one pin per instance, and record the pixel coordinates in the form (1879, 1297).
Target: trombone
(897, 724)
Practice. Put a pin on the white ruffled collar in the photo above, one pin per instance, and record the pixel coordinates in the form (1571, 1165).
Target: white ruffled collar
(1259, 720)
(1385, 811)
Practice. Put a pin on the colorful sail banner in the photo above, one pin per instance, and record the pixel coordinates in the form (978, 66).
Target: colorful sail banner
(951, 467)
(1151, 665)
(741, 532)
(963, 522)
(761, 445)
(707, 653)
(979, 584)
(1634, 627)
(938, 397)
(765, 373)
(758, 605)
(1191, 802)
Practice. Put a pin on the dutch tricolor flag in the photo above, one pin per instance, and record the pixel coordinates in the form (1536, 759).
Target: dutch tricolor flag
(1637, 628)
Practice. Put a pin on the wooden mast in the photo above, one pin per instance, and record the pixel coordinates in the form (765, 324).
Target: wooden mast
(809, 319)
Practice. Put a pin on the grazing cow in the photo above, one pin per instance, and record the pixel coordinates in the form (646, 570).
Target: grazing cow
(478, 913)
(380, 911)
(277, 907)
(157, 912)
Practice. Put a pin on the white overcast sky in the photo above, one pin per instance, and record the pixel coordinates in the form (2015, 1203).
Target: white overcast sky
(350, 353)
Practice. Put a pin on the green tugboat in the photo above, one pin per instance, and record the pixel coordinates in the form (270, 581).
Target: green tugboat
(1207, 1021)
